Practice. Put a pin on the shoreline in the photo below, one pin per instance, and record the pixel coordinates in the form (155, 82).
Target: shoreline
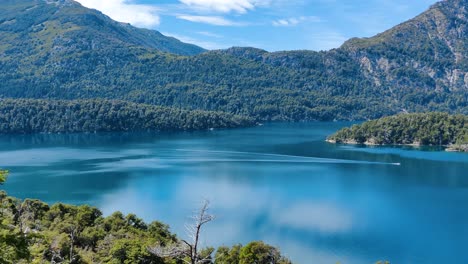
(448, 148)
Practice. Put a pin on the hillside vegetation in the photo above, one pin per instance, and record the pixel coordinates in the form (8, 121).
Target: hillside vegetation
(61, 50)
(51, 116)
(34, 232)
(434, 129)
(50, 21)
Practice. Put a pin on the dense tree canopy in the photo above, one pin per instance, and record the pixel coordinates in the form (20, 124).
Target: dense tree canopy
(34, 232)
(439, 129)
(261, 253)
(35, 116)
(3, 176)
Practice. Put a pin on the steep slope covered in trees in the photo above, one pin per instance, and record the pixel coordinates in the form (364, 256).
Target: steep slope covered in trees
(419, 65)
(429, 53)
(38, 27)
(49, 116)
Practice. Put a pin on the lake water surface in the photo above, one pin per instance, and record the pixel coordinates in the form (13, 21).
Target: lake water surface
(281, 183)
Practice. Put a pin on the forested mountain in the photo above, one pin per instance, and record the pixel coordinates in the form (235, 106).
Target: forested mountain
(42, 28)
(435, 129)
(429, 53)
(51, 116)
(61, 50)
(419, 65)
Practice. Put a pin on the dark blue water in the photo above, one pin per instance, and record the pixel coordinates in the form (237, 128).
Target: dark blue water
(280, 183)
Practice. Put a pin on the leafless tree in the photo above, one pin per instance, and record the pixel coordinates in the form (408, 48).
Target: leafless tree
(23, 215)
(56, 255)
(72, 231)
(3, 195)
(189, 249)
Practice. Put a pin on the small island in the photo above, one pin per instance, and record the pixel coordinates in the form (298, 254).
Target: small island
(419, 129)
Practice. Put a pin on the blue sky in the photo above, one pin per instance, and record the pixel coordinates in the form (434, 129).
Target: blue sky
(272, 25)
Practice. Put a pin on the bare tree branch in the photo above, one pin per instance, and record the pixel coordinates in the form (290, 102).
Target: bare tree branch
(184, 249)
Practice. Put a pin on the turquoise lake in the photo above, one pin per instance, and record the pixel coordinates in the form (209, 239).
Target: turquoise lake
(281, 183)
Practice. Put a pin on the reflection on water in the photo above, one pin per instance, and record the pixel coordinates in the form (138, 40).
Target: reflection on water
(281, 183)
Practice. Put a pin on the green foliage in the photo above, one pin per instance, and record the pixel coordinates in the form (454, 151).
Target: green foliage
(224, 255)
(13, 246)
(31, 231)
(35, 116)
(40, 19)
(65, 51)
(255, 252)
(34, 232)
(128, 251)
(3, 176)
(261, 253)
(439, 129)
(14, 241)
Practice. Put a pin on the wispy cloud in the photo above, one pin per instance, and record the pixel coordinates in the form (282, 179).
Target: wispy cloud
(209, 34)
(295, 21)
(225, 6)
(126, 11)
(212, 20)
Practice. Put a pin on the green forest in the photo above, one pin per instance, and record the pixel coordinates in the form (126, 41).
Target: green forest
(434, 129)
(69, 52)
(59, 116)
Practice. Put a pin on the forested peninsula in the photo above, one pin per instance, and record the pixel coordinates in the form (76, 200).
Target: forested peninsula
(420, 129)
(25, 116)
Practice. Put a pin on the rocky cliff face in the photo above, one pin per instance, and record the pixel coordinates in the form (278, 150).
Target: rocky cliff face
(429, 51)
(423, 61)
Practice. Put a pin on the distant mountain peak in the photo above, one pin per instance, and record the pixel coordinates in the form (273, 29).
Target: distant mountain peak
(61, 2)
(456, 6)
(449, 17)
(68, 19)
(452, 2)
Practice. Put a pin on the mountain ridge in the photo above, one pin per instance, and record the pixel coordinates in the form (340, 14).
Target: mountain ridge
(35, 12)
(403, 69)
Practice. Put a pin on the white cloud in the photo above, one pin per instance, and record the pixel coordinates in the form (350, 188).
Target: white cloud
(320, 217)
(209, 34)
(225, 6)
(212, 20)
(126, 11)
(295, 20)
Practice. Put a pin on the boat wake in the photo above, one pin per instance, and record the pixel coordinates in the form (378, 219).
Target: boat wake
(238, 156)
